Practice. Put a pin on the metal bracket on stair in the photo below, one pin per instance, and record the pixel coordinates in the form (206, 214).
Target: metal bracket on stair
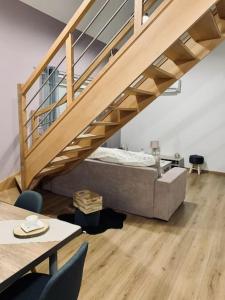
(174, 90)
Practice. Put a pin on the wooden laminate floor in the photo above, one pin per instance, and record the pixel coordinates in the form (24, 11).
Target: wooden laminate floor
(152, 259)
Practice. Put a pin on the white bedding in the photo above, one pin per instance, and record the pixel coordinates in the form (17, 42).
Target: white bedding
(118, 156)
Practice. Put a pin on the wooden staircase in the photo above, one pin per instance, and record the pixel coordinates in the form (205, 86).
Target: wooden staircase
(178, 35)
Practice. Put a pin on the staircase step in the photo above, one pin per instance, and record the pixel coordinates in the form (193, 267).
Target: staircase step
(105, 123)
(63, 159)
(125, 108)
(138, 92)
(89, 136)
(179, 52)
(221, 8)
(74, 149)
(157, 73)
(51, 170)
(205, 29)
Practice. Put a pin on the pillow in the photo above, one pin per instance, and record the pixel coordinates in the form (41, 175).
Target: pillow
(118, 156)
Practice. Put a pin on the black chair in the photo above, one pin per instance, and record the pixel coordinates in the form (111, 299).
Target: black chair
(30, 200)
(64, 285)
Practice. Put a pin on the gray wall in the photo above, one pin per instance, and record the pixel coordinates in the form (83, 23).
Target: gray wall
(25, 36)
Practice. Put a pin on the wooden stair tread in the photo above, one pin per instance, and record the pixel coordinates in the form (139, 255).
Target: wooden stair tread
(106, 123)
(179, 52)
(63, 159)
(125, 108)
(221, 8)
(138, 92)
(50, 169)
(90, 136)
(75, 148)
(158, 73)
(205, 29)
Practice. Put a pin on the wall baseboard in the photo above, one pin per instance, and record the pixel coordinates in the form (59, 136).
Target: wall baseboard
(210, 172)
(215, 172)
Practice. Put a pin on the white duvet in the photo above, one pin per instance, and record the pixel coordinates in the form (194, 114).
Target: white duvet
(118, 156)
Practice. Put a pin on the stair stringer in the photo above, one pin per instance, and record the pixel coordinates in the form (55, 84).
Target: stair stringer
(129, 63)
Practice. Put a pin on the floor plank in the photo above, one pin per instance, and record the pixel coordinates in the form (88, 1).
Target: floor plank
(151, 259)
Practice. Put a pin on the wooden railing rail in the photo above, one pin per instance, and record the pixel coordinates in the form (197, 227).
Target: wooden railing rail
(138, 15)
(22, 132)
(70, 69)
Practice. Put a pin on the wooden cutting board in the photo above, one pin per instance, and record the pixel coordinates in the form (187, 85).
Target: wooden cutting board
(19, 233)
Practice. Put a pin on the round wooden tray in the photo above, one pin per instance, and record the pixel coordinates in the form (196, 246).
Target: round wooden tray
(19, 233)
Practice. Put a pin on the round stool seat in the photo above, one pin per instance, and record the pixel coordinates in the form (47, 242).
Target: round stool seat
(196, 159)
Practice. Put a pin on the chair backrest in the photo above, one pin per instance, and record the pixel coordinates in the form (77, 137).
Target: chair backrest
(30, 200)
(66, 283)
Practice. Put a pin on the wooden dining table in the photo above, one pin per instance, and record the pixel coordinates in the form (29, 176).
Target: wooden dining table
(18, 259)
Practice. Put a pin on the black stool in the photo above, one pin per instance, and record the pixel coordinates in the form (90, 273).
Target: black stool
(196, 161)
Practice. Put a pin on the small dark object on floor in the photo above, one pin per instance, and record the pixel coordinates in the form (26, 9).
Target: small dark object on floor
(108, 219)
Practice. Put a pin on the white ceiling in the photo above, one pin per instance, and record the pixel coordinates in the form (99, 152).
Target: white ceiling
(63, 10)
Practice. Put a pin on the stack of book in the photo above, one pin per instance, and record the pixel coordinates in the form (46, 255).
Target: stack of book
(87, 201)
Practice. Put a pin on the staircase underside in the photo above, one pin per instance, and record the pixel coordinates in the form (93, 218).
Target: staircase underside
(160, 54)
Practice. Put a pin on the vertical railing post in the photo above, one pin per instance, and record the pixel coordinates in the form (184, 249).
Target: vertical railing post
(69, 69)
(22, 133)
(138, 15)
(34, 124)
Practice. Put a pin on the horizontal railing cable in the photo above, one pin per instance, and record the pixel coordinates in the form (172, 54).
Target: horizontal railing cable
(96, 58)
(92, 21)
(33, 114)
(38, 125)
(44, 83)
(100, 32)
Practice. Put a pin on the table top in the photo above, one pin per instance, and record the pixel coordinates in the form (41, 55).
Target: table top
(18, 259)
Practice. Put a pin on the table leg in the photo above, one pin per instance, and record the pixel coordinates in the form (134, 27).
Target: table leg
(53, 264)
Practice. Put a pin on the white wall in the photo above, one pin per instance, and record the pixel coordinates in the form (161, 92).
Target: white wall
(192, 122)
